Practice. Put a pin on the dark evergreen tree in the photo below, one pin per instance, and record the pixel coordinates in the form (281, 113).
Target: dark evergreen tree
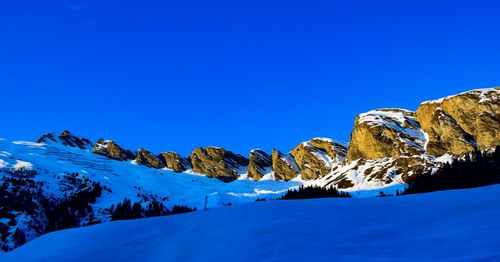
(313, 192)
(475, 170)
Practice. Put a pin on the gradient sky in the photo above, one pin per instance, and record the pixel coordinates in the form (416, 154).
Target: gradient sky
(174, 75)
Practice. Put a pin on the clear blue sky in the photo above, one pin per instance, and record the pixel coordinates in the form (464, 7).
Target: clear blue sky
(174, 75)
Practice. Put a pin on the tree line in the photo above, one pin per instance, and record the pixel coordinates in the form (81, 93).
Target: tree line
(474, 170)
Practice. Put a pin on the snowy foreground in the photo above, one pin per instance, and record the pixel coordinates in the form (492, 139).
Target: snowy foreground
(461, 225)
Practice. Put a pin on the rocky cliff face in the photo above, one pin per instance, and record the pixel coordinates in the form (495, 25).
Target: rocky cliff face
(259, 164)
(284, 166)
(66, 139)
(317, 158)
(146, 158)
(174, 161)
(217, 162)
(444, 134)
(112, 150)
(461, 123)
(385, 133)
(393, 146)
(388, 146)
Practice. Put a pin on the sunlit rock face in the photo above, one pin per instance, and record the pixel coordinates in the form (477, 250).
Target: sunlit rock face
(174, 161)
(284, 166)
(317, 157)
(217, 162)
(259, 163)
(112, 150)
(386, 133)
(146, 158)
(462, 123)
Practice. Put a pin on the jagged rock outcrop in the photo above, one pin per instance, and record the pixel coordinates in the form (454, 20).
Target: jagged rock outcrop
(336, 151)
(66, 139)
(259, 164)
(317, 158)
(387, 146)
(146, 158)
(385, 133)
(112, 150)
(284, 166)
(392, 146)
(217, 162)
(444, 134)
(174, 161)
(461, 123)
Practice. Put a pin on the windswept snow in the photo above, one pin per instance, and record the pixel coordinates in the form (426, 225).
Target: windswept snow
(459, 225)
(484, 94)
(129, 180)
(3, 163)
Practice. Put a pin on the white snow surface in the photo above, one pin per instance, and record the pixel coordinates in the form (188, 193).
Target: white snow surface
(484, 94)
(460, 225)
(127, 180)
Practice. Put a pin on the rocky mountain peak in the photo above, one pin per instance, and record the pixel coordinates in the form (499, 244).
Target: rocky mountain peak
(217, 162)
(66, 139)
(462, 123)
(110, 149)
(146, 158)
(386, 133)
(174, 161)
(259, 164)
(284, 166)
(317, 158)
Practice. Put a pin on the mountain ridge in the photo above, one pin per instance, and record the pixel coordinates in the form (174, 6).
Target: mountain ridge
(388, 149)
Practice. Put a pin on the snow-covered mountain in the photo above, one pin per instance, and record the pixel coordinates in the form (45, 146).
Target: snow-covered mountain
(63, 181)
(459, 225)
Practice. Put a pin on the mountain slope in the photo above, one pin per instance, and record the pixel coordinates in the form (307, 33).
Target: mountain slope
(457, 225)
(56, 174)
(65, 181)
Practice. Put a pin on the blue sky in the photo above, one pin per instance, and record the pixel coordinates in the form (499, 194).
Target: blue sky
(174, 75)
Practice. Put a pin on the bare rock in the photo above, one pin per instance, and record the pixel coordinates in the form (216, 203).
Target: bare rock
(284, 167)
(112, 150)
(260, 162)
(174, 161)
(217, 162)
(146, 158)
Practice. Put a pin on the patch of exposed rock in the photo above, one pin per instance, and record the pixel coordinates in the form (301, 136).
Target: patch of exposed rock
(385, 133)
(316, 158)
(444, 134)
(259, 163)
(460, 123)
(146, 158)
(66, 139)
(284, 166)
(112, 150)
(174, 161)
(217, 162)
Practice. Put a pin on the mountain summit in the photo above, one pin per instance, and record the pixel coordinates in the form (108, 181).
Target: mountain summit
(65, 181)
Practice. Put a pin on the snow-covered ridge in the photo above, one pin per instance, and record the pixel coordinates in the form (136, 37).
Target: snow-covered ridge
(482, 93)
(400, 120)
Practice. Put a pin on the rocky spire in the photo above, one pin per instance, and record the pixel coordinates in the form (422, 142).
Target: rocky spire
(112, 150)
(259, 163)
(146, 158)
(217, 162)
(174, 161)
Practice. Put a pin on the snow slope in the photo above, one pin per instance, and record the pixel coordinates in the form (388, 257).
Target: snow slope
(457, 225)
(51, 163)
(128, 179)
